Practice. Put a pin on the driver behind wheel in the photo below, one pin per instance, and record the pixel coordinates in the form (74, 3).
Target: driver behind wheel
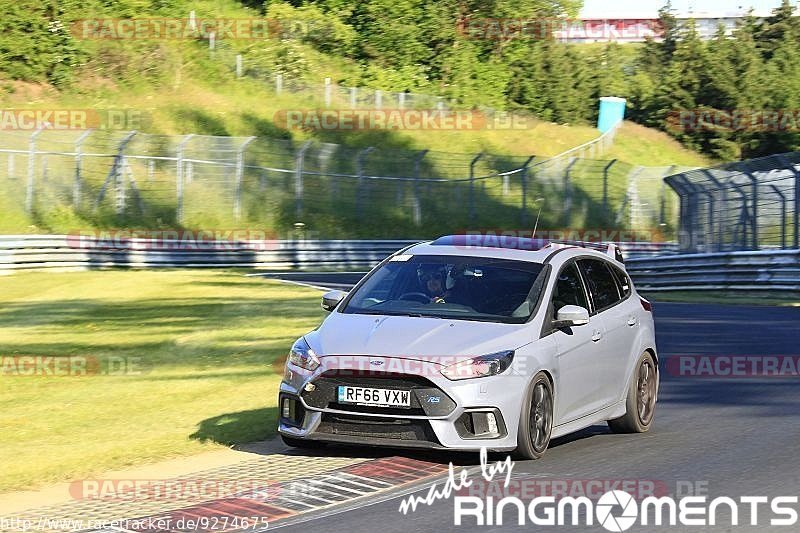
(433, 280)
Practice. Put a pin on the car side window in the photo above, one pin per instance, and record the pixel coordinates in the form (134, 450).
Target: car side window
(602, 283)
(569, 289)
(624, 282)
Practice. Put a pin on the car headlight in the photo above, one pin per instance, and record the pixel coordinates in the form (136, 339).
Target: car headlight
(480, 367)
(303, 356)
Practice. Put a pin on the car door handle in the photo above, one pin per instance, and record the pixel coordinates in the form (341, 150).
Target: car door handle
(596, 336)
(632, 321)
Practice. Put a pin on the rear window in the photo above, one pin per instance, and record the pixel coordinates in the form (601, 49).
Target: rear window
(624, 282)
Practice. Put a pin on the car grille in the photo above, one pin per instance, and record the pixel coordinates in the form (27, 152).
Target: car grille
(426, 399)
(397, 429)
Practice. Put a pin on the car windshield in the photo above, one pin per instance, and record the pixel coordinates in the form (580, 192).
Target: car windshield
(453, 287)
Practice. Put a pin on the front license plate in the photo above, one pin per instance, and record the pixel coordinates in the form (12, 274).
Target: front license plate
(368, 396)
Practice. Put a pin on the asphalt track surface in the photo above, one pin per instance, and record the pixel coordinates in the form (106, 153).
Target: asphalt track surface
(723, 436)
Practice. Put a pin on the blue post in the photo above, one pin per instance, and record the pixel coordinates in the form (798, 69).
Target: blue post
(612, 112)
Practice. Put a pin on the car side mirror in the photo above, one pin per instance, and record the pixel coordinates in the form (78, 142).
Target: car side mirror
(571, 315)
(331, 299)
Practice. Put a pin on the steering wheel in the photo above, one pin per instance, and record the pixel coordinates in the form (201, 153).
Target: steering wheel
(416, 297)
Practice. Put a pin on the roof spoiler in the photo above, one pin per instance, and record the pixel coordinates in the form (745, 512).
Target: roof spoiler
(610, 249)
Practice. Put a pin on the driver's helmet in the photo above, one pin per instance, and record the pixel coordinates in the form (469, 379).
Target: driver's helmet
(425, 273)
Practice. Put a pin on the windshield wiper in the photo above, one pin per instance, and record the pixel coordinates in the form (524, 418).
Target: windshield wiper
(418, 315)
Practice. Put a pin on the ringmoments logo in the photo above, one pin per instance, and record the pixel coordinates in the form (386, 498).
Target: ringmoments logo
(605, 510)
(619, 511)
(615, 510)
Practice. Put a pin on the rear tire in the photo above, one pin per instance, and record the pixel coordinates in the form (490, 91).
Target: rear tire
(536, 421)
(641, 402)
(302, 443)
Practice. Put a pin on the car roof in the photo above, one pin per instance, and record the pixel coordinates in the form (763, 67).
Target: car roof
(499, 247)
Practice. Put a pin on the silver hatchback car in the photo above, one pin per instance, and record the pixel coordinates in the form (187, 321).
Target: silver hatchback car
(461, 343)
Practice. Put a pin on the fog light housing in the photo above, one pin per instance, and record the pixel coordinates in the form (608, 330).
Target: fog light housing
(481, 424)
(287, 410)
(292, 412)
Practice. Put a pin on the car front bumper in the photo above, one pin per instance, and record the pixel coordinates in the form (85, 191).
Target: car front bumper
(457, 420)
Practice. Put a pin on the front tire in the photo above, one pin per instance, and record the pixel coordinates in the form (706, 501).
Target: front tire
(536, 422)
(641, 402)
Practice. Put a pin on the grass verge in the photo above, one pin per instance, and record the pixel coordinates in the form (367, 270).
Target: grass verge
(205, 350)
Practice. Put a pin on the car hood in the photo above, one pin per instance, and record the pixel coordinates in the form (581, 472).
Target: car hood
(414, 337)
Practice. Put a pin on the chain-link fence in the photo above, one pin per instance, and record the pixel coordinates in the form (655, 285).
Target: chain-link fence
(748, 205)
(61, 180)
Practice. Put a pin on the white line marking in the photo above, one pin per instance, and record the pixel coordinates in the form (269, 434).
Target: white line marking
(387, 496)
(348, 474)
(338, 487)
(351, 482)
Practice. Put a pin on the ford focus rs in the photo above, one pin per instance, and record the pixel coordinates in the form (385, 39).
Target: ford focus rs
(457, 345)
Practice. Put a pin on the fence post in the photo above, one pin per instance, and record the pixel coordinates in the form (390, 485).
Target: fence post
(362, 154)
(353, 97)
(631, 200)
(378, 99)
(606, 169)
(471, 212)
(663, 216)
(117, 169)
(237, 199)
(796, 215)
(212, 42)
(416, 211)
(76, 190)
(278, 83)
(401, 100)
(567, 212)
(783, 214)
(418, 162)
(327, 92)
(11, 166)
(239, 69)
(179, 177)
(754, 214)
(298, 179)
(31, 170)
(524, 183)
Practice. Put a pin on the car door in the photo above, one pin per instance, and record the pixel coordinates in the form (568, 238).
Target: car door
(579, 392)
(612, 318)
(626, 317)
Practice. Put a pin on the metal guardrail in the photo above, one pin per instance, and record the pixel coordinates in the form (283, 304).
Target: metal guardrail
(24, 252)
(770, 270)
(21, 252)
(653, 266)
